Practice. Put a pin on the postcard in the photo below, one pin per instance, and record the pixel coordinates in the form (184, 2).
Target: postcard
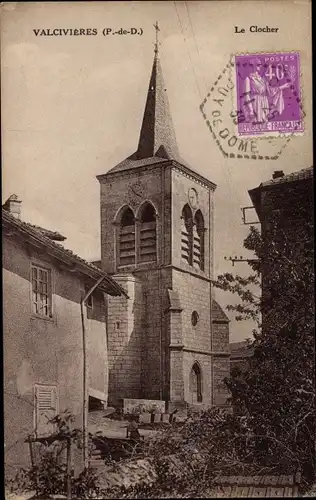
(157, 248)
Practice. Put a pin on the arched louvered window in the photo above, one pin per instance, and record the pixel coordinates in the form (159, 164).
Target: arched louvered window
(127, 238)
(196, 384)
(147, 234)
(186, 235)
(198, 241)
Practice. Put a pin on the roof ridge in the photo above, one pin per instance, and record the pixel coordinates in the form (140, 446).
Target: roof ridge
(59, 236)
(304, 173)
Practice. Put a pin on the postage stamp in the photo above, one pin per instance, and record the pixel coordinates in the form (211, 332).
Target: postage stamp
(268, 93)
(255, 128)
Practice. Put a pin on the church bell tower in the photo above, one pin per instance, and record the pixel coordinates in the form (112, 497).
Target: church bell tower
(169, 340)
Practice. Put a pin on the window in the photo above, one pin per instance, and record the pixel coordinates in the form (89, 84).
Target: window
(147, 234)
(46, 408)
(198, 241)
(127, 238)
(196, 384)
(186, 235)
(192, 238)
(194, 318)
(42, 291)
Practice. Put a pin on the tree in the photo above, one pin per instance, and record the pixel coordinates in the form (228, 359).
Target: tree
(277, 391)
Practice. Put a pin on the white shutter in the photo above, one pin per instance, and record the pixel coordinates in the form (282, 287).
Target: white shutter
(46, 409)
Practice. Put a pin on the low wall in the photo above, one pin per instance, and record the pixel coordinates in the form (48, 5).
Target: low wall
(143, 405)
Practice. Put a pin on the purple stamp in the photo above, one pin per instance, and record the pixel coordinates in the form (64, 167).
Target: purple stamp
(268, 94)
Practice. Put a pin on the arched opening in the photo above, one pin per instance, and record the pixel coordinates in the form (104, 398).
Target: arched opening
(186, 234)
(198, 241)
(127, 238)
(196, 384)
(147, 234)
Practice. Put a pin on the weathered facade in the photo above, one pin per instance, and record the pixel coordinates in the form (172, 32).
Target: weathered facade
(170, 341)
(43, 284)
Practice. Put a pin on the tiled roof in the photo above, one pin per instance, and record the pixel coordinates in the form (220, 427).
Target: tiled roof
(62, 252)
(52, 235)
(305, 173)
(218, 313)
(240, 349)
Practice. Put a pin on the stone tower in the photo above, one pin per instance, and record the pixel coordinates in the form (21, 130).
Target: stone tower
(170, 339)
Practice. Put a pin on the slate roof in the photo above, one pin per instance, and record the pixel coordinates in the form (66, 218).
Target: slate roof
(59, 251)
(133, 162)
(157, 143)
(218, 313)
(240, 350)
(157, 131)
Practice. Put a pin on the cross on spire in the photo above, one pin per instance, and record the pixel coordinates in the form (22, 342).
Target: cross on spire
(156, 26)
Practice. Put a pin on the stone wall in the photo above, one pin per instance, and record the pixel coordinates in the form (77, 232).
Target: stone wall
(143, 405)
(221, 337)
(155, 334)
(181, 184)
(125, 321)
(132, 189)
(194, 294)
(221, 369)
(152, 354)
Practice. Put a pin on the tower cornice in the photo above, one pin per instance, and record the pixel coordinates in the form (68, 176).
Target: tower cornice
(164, 163)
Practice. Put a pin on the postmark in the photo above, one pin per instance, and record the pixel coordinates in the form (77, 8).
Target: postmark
(223, 115)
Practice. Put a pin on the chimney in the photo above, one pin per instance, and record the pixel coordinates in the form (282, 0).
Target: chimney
(277, 174)
(13, 206)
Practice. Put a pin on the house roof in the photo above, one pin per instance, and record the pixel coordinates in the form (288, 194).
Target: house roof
(218, 313)
(240, 350)
(299, 176)
(37, 236)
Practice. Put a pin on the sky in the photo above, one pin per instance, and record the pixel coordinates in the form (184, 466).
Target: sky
(72, 106)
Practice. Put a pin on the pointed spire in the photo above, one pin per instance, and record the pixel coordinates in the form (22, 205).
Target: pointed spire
(157, 136)
(156, 26)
